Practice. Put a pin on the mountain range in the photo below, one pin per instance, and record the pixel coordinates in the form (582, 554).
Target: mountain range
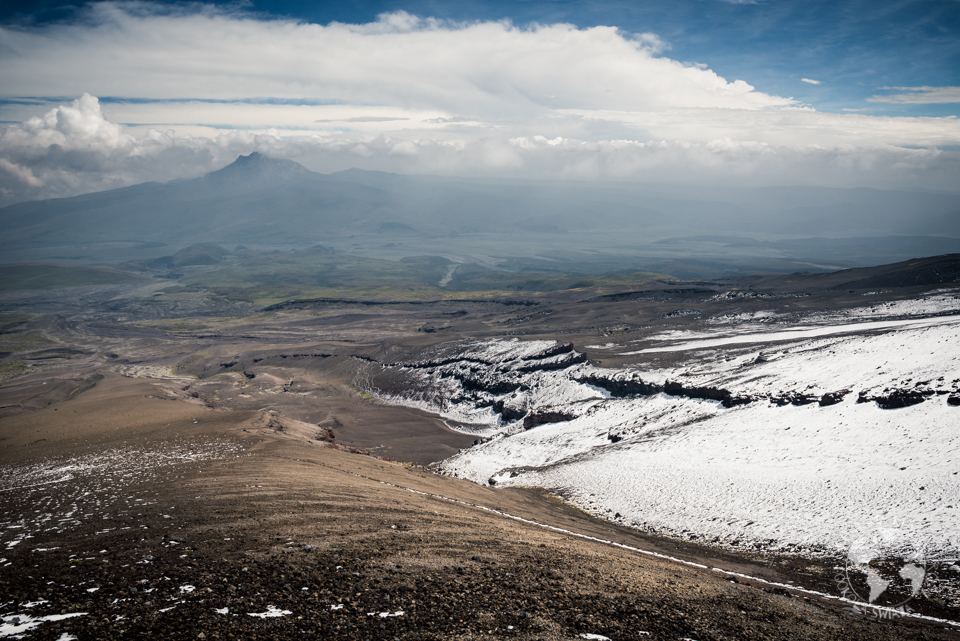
(268, 202)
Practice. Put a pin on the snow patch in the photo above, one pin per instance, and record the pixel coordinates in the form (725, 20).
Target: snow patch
(15, 625)
(272, 612)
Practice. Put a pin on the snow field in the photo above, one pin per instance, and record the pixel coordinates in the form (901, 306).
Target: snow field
(806, 478)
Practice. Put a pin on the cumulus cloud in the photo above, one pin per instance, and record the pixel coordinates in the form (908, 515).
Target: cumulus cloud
(197, 87)
(73, 149)
(920, 95)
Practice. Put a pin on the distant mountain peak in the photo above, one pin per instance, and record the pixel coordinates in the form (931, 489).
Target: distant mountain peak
(258, 168)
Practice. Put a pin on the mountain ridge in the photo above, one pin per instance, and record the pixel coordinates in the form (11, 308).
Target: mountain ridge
(259, 168)
(264, 201)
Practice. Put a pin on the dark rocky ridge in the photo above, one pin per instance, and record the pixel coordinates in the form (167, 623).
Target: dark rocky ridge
(460, 377)
(896, 398)
(933, 270)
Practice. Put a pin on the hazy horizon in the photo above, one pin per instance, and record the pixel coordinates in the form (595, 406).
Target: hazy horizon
(515, 225)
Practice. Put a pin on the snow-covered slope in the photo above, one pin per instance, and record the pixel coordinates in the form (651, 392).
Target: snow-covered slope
(800, 438)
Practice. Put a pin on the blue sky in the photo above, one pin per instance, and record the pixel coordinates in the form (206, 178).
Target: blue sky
(849, 92)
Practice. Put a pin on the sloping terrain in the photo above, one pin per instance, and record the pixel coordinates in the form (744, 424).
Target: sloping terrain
(128, 514)
(240, 203)
(757, 433)
(777, 435)
(918, 272)
(33, 276)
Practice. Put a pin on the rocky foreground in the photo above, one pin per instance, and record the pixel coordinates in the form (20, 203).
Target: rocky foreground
(128, 514)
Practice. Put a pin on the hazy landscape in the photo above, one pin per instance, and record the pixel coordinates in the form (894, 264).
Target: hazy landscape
(479, 322)
(517, 226)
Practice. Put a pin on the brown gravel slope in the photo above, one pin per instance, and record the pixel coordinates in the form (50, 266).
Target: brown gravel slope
(158, 518)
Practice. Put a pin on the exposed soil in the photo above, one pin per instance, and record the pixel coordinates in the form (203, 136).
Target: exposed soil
(219, 475)
(158, 517)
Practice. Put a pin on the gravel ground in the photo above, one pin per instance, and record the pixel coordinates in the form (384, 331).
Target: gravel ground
(127, 515)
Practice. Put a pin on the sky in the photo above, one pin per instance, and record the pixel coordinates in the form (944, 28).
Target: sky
(841, 93)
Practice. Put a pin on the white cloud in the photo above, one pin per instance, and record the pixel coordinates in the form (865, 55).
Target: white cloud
(414, 95)
(793, 127)
(810, 81)
(920, 95)
(364, 119)
(485, 69)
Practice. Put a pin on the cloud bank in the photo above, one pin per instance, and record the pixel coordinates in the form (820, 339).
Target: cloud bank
(197, 86)
(491, 70)
(921, 95)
